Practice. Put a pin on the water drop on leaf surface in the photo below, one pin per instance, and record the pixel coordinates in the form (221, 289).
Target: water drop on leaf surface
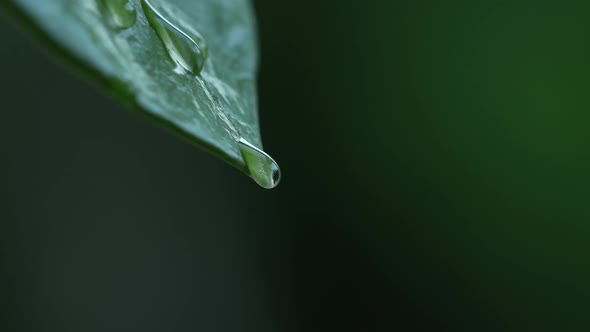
(262, 168)
(187, 49)
(123, 15)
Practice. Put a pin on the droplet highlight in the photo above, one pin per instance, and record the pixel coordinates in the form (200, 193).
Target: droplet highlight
(121, 12)
(261, 167)
(187, 49)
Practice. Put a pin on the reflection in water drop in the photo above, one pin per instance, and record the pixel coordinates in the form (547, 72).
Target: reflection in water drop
(121, 12)
(186, 49)
(263, 169)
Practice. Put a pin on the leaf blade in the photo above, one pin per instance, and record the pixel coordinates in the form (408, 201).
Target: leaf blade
(213, 110)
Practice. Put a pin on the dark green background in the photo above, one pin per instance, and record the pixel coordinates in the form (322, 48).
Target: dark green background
(436, 178)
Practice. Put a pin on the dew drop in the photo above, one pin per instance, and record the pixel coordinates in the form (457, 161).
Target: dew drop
(187, 49)
(122, 13)
(262, 168)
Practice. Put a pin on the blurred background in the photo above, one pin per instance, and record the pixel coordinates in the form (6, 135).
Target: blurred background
(435, 178)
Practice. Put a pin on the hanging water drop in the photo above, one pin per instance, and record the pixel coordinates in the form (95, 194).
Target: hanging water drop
(262, 168)
(186, 48)
(121, 12)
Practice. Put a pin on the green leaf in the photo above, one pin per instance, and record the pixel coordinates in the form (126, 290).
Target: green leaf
(189, 64)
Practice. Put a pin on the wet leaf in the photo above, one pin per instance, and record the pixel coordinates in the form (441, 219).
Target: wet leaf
(189, 64)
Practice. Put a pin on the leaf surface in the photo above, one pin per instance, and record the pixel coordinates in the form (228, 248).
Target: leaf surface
(137, 50)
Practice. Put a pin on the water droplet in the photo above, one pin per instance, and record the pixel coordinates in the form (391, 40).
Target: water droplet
(186, 48)
(121, 12)
(263, 169)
